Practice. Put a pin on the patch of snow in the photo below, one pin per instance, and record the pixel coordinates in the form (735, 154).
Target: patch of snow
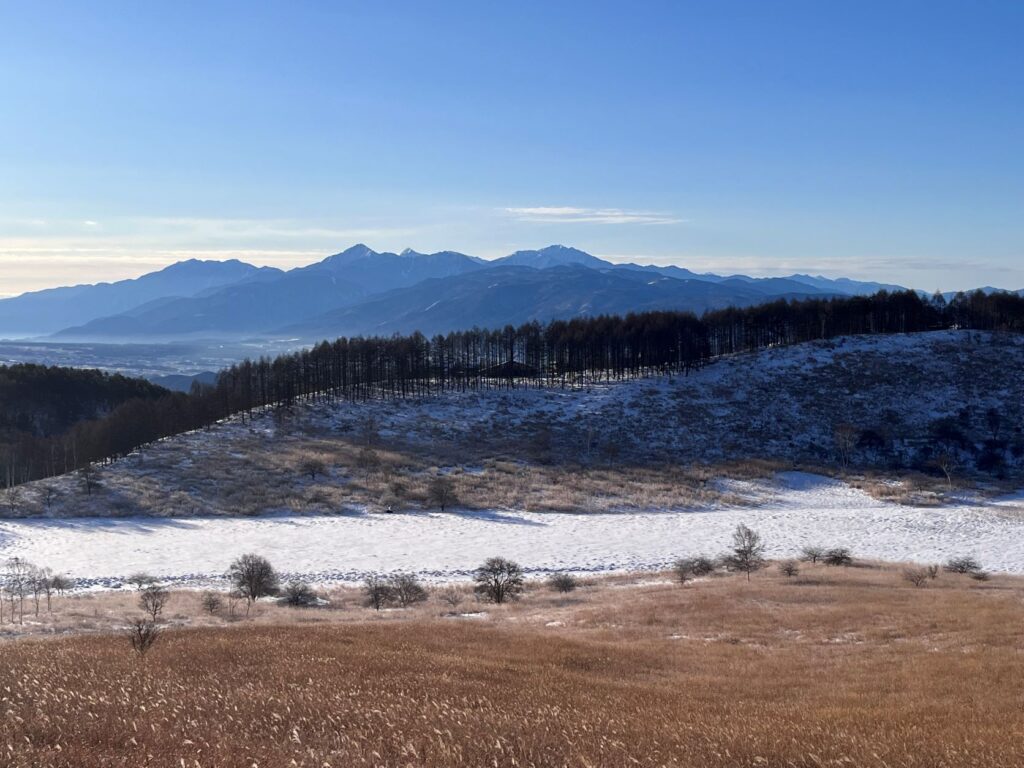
(802, 509)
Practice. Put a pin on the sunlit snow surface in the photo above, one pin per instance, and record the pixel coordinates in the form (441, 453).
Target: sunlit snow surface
(794, 510)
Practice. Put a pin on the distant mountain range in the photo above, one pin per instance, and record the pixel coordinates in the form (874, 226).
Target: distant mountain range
(42, 312)
(361, 291)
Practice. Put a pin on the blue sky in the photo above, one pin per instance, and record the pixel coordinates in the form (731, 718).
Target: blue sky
(875, 140)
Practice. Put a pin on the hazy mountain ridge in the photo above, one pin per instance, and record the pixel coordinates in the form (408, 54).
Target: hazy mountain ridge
(259, 306)
(362, 291)
(505, 295)
(46, 311)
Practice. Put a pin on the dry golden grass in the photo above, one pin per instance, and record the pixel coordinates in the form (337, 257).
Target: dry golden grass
(834, 668)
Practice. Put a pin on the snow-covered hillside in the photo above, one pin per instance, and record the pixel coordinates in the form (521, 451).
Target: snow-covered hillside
(644, 471)
(652, 443)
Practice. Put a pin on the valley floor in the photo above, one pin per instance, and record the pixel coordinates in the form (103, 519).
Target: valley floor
(792, 510)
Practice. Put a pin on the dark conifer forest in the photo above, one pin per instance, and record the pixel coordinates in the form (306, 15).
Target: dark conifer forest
(55, 420)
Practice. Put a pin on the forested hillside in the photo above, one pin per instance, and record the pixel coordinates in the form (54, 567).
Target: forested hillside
(560, 354)
(881, 411)
(39, 404)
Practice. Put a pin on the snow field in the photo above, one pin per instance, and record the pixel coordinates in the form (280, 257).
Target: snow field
(796, 509)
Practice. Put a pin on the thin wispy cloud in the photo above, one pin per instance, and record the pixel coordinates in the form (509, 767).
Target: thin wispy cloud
(572, 215)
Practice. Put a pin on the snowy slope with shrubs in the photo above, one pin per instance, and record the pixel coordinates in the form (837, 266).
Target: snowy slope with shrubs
(796, 509)
(641, 471)
(884, 408)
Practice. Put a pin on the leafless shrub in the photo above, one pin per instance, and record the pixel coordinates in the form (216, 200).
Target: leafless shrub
(562, 582)
(11, 499)
(234, 598)
(789, 568)
(312, 465)
(141, 580)
(452, 597)
(212, 603)
(980, 576)
(498, 580)
(947, 463)
(683, 569)
(702, 565)
(406, 590)
(143, 632)
(933, 571)
(964, 564)
(153, 599)
(299, 594)
(89, 478)
(377, 592)
(812, 553)
(837, 556)
(49, 494)
(61, 584)
(441, 492)
(916, 576)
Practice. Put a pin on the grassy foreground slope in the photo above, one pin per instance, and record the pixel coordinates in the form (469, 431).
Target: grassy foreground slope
(833, 668)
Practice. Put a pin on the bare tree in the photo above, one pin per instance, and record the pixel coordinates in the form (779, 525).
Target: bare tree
(702, 565)
(254, 577)
(37, 579)
(377, 591)
(683, 568)
(16, 583)
(563, 583)
(11, 499)
(947, 462)
(845, 438)
(837, 556)
(143, 633)
(312, 465)
(789, 568)
(141, 580)
(916, 576)
(153, 599)
(48, 586)
(299, 594)
(90, 478)
(212, 603)
(499, 580)
(965, 564)
(234, 596)
(747, 555)
(368, 460)
(49, 495)
(441, 492)
(812, 553)
(406, 590)
(61, 584)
